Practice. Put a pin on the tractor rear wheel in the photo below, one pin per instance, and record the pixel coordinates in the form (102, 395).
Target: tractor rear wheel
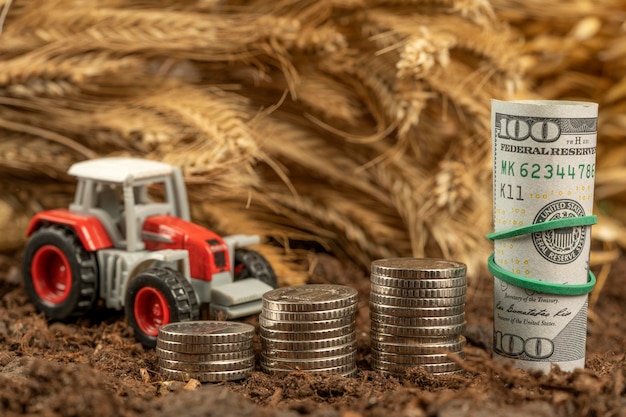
(156, 297)
(251, 264)
(60, 275)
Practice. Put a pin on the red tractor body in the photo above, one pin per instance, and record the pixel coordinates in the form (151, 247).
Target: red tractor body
(208, 249)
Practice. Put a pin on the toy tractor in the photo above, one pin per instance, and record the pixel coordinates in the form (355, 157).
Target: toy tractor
(127, 239)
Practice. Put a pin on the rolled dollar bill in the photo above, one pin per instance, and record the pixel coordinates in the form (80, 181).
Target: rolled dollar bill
(544, 155)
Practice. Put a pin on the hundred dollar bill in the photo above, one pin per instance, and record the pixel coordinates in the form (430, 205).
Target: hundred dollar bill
(544, 155)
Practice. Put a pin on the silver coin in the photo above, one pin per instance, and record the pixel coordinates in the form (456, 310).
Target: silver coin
(204, 348)
(419, 292)
(415, 348)
(437, 374)
(418, 268)
(417, 311)
(308, 344)
(311, 353)
(458, 371)
(417, 331)
(313, 297)
(418, 283)
(433, 358)
(203, 357)
(416, 302)
(344, 370)
(206, 331)
(309, 364)
(402, 368)
(310, 335)
(304, 326)
(175, 375)
(417, 321)
(413, 340)
(206, 366)
(309, 315)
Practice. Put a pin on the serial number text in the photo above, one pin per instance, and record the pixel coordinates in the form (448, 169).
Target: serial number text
(547, 171)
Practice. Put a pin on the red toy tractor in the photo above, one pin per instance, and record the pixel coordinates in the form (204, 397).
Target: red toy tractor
(127, 239)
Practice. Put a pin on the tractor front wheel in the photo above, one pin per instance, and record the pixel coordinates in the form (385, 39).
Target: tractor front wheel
(156, 297)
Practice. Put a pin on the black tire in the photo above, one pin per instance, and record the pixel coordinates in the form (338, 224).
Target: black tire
(251, 264)
(60, 275)
(168, 291)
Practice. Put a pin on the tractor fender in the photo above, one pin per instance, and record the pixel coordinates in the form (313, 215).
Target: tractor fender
(176, 259)
(89, 229)
(241, 240)
(234, 242)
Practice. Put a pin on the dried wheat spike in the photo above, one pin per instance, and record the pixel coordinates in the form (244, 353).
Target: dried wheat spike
(358, 126)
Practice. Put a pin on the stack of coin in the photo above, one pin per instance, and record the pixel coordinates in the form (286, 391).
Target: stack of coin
(417, 312)
(208, 351)
(309, 328)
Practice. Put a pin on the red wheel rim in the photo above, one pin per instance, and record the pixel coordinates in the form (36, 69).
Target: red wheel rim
(239, 269)
(51, 274)
(151, 310)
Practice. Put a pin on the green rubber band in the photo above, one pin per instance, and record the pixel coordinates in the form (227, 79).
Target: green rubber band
(540, 286)
(542, 227)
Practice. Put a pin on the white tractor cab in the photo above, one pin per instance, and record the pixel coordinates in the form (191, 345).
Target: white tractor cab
(127, 238)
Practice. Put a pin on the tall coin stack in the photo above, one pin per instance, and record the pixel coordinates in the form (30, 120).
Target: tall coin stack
(208, 351)
(309, 328)
(417, 312)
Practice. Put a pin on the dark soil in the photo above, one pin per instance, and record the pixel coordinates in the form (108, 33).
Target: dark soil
(93, 366)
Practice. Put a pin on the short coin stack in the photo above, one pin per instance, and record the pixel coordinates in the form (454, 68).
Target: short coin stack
(309, 328)
(208, 351)
(417, 314)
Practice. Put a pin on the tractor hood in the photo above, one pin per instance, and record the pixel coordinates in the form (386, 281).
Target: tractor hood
(208, 253)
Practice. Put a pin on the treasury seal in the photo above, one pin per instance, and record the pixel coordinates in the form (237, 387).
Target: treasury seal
(560, 246)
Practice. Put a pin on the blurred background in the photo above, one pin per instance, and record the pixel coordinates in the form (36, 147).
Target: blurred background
(358, 128)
